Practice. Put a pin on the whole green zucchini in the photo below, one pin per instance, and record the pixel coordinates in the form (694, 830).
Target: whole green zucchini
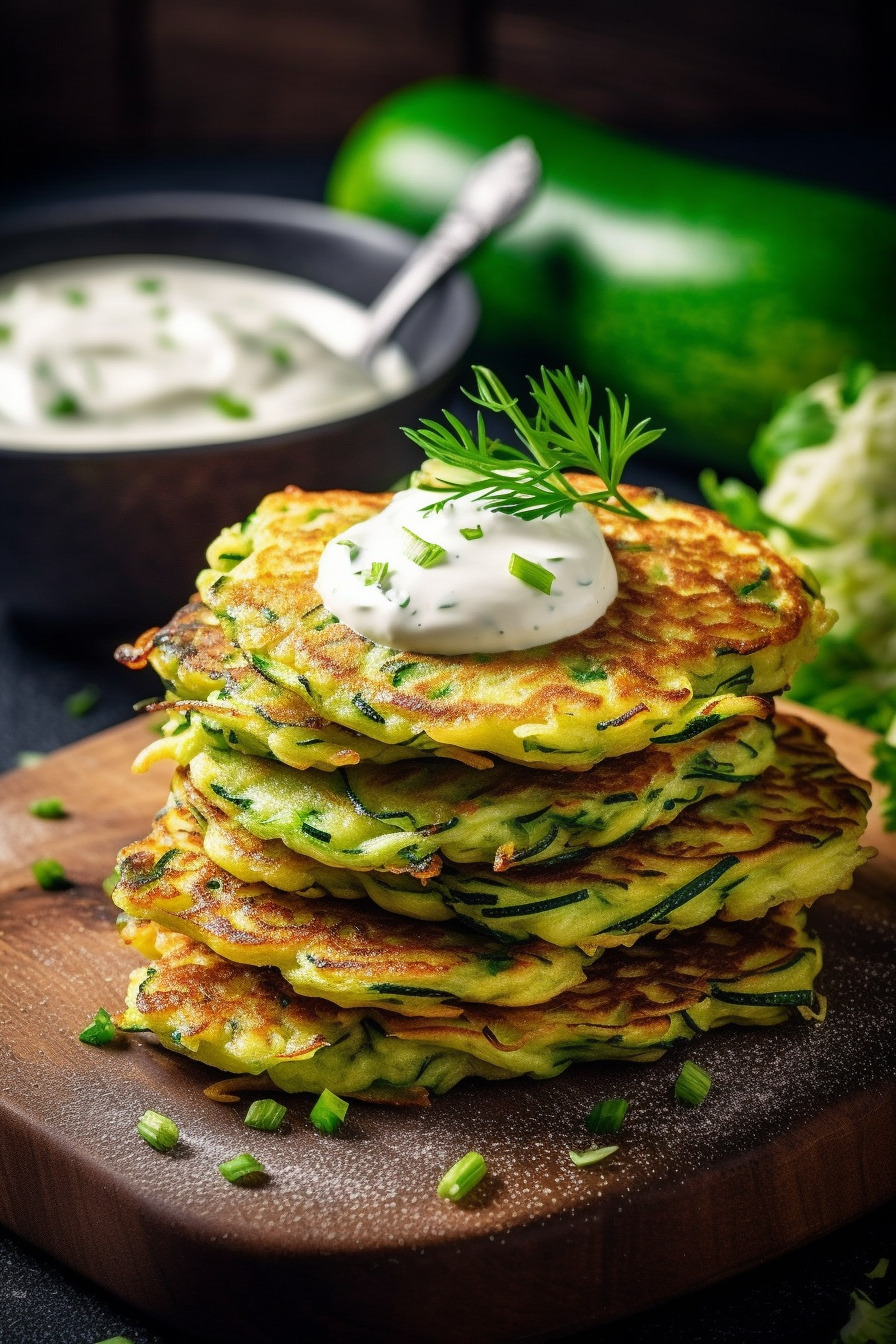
(705, 293)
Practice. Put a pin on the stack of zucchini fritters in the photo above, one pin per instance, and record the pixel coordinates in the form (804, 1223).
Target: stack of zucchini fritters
(380, 871)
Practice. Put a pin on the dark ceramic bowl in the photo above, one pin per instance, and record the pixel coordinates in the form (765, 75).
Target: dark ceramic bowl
(115, 539)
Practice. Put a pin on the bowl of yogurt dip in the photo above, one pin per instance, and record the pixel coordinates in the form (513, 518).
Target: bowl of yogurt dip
(167, 359)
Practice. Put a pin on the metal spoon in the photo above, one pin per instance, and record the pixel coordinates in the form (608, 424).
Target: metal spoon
(493, 193)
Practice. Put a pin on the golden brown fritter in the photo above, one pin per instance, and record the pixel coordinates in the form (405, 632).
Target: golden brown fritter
(790, 836)
(636, 1003)
(354, 955)
(707, 618)
(407, 818)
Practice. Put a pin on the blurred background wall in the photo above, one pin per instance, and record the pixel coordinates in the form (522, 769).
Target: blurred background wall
(130, 77)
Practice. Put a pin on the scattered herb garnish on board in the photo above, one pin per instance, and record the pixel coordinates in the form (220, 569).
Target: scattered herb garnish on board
(607, 1116)
(266, 1115)
(328, 1112)
(243, 1170)
(526, 478)
(100, 1031)
(158, 1131)
(49, 809)
(592, 1155)
(692, 1084)
(50, 874)
(463, 1177)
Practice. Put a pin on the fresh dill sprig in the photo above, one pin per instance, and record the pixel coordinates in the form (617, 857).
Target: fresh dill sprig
(528, 481)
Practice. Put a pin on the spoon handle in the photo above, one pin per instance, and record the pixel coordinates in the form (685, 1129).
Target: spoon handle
(493, 194)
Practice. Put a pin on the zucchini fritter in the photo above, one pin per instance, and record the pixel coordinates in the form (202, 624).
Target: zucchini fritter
(707, 618)
(217, 698)
(635, 1004)
(355, 955)
(408, 817)
(791, 835)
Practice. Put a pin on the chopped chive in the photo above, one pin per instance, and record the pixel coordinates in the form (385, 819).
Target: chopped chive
(267, 1115)
(64, 404)
(27, 760)
(50, 809)
(592, 1155)
(423, 553)
(534, 574)
(158, 1131)
(5, 333)
(471, 533)
(328, 1112)
(148, 284)
(460, 1179)
(880, 1270)
(82, 702)
(100, 1031)
(230, 406)
(377, 574)
(692, 1084)
(281, 356)
(50, 874)
(353, 550)
(76, 297)
(607, 1116)
(239, 1169)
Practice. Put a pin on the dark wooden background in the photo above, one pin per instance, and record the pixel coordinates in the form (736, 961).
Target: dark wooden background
(130, 76)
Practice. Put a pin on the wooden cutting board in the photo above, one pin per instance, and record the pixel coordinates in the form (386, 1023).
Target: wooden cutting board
(348, 1240)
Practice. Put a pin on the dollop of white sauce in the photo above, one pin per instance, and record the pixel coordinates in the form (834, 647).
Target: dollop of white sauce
(154, 351)
(469, 602)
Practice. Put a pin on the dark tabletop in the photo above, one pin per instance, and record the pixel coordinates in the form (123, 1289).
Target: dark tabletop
(803, 1298)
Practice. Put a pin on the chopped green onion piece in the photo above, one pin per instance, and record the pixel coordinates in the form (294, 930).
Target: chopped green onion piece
(76, 297)
(158, 1131)
(240, 1168)
(149, 284)
(607, 1116)
(111, 882)
(471, 533)
(267, 1115)
(592, 1155)
(328, 1112)
(116, 1339)
(100, 1031)
(377, 574)
(460, 1179)
(50, 874)
(64, 404)
(230, 406)
(26, 760)
(353, 549)
(692, 1084)
(5, 333)
(423, 553)
(880, 1270)
(50, 809)
(82, 702)
(281, 356)
(535, 575)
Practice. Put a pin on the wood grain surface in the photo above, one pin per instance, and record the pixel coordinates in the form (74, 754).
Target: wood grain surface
(348, 1238)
